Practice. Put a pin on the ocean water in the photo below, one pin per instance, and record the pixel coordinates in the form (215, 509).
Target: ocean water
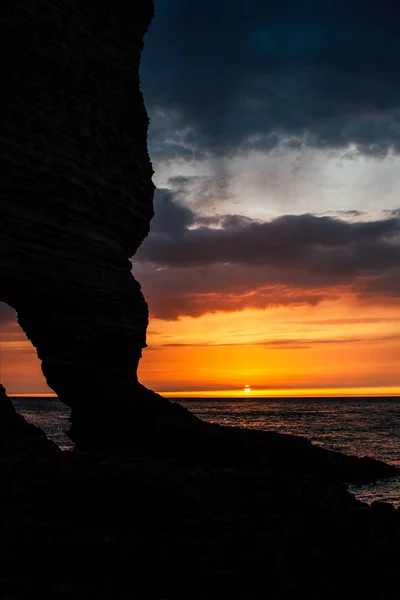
(360, 426)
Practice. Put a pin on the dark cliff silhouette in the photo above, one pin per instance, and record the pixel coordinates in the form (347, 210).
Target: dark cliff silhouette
(76, 201)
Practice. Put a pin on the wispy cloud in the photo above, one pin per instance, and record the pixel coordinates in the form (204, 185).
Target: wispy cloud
(293, 343)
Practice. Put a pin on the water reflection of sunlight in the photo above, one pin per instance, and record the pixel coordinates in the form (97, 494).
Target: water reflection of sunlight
(289, 393)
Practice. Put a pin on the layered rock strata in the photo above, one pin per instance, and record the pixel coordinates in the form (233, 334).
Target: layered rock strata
(76, 197)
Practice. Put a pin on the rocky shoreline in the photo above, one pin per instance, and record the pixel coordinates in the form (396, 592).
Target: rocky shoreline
(168, 524)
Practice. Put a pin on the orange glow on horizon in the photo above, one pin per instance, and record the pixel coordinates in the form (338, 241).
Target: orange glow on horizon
(260, 394)
(289, 393)
(336, 348)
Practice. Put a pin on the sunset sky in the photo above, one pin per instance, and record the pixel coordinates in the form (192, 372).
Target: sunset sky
(274, 255)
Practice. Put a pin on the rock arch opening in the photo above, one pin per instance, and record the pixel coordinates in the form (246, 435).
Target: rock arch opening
(21, 375)
(20, 368)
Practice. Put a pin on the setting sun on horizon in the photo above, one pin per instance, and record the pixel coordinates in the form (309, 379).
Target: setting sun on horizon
(336, 348)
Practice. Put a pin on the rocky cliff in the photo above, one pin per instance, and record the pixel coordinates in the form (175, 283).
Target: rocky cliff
(18, 438)
(76, 196)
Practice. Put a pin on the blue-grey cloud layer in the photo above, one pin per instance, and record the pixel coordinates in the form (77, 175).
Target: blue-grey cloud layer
(233, 74)
(191, 265)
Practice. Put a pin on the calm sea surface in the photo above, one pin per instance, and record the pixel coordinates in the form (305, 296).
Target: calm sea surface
(360, 426)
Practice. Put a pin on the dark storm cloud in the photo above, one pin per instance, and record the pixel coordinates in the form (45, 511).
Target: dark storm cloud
(322, 244)
(218, 76)
(170, 217)
(231, 262)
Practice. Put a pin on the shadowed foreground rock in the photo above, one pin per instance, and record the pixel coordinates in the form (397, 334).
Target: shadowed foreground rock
(82, 525)
(19, 438)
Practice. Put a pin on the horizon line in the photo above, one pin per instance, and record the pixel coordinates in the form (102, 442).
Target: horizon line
(344, 392)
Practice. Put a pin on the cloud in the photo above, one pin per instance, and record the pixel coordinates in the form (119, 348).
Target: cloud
(192, 265)
(170, 217)
(233, 262)
(205, 191)
(223, 76)
(347, 321)
(175, 292)
(349, 214)
(320, 244)
(293, 343)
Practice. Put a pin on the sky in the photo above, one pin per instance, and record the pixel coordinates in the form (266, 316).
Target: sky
(274, 254)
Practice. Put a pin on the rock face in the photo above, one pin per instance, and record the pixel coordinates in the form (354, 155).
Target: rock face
(18, 438)
(76, 195)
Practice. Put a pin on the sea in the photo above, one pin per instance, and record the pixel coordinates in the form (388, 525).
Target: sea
(358, 426)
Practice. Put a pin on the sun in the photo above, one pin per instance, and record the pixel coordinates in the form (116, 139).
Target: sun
(247, 388)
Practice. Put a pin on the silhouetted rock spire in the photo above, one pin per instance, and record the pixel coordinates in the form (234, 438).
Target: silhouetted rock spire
(76, 198)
